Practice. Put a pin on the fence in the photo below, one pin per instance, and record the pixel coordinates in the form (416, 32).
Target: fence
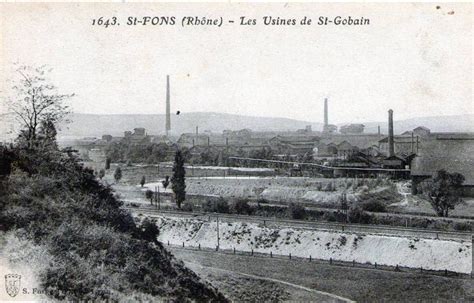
(331, 262)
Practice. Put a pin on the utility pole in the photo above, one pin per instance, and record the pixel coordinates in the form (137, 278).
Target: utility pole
(158, 198)
(156, 195)
(217, 220)
(345, 206)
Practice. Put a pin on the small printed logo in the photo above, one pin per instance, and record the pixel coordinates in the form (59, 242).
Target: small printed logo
(12, 284)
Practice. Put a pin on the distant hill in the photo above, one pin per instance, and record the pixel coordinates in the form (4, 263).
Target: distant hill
(458, 123)
(95, 125)
(84, 125)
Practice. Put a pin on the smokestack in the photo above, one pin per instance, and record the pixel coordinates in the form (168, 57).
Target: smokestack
(378, 130)
(197, 131)
(168, 115)
(391, 149)
(326, 118)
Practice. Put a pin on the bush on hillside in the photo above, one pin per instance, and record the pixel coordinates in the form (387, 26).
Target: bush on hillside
(358, 215)
(296, 211)
(187, 206)
(242, 207)
(99, 252)
(216, 206)
(374, 206)
(463, 226)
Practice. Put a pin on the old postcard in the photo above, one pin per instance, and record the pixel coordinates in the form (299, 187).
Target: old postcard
(236, 152)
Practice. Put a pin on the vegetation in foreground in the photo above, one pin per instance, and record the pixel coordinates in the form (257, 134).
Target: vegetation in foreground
(97, 250)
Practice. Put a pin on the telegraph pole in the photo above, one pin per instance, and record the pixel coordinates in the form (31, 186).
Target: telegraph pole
(158, 198)
(217, 220)
(345, 206)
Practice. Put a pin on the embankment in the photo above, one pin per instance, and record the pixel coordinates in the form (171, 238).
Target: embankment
(388, 250)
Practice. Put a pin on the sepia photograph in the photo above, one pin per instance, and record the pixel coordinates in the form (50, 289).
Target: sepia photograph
(236, 152)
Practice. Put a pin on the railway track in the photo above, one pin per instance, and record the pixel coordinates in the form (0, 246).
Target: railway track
(312, 225)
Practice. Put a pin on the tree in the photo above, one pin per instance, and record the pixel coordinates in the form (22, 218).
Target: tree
(166, 182)
(47, 135)
(142, 181)
(443, 191)
(149, 195)
(258, 192)
(118, 174)
(107, 163)
(150, 231)
(178, 183)
(208, 157)
(101, 173)
(36, 104)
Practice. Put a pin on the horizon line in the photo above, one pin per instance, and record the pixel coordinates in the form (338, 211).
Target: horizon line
(271, 117)
(246, 115)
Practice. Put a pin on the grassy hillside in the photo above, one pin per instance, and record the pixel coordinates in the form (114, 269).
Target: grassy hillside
(95, 249)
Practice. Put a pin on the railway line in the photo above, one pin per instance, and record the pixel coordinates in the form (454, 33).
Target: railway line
(310, 225)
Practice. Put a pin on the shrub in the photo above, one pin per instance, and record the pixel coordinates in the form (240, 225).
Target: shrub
(242, 207)
(219, 206)
(375, 206)
(149, 195)
(118, 174)
(358, 215)
(98, 253)
(296, 211)
(342, 240)
(463, 226)
(187, 206)
(222, 206)
(150, 231)
(330, 217)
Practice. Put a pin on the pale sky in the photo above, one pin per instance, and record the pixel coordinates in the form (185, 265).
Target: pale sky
(413, 58)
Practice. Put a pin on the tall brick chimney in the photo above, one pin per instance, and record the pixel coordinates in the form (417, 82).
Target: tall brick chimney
(168, 115)
(391, 148)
